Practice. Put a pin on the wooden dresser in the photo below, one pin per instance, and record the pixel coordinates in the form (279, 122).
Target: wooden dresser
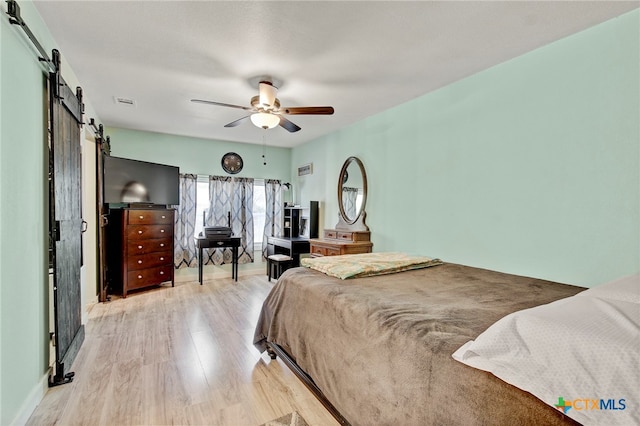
(141, 248)
(339, 241)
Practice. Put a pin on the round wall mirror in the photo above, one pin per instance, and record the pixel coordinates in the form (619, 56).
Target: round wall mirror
(352, 191)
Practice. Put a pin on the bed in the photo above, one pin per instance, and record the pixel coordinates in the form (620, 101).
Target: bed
(377, 350)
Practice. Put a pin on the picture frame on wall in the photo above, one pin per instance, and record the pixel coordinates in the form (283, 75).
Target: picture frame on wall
(305, 169)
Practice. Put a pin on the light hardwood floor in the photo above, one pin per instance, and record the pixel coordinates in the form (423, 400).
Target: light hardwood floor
(180, 355)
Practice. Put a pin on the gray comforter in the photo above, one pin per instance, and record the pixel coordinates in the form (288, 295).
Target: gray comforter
(380, 348)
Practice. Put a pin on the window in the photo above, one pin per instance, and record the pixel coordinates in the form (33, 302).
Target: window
(259, 208)
(202, 202)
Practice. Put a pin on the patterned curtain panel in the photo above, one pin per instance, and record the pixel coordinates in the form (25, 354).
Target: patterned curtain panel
(184, 254)
(242, 216)
(273, 213)
(220, 190)
(349, 198)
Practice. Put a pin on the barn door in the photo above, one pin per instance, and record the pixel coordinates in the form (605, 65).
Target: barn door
(65, 220)
(103, 147)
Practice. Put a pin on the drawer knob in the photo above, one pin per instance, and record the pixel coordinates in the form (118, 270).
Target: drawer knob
(139, 262)
(161, 258)
(141, 217)
(161, 244)
(139, 232)
(139, 276)
(163, 216)
(162, 230)
(140, 247)
(161, 272)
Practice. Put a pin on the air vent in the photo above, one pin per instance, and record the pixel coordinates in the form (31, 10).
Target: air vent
(125, 101)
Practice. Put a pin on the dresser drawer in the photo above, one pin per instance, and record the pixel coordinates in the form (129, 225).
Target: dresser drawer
(140, 248)
(147, 246)
(146, 277)
(145, 232)
(149, 260)
(147, 217)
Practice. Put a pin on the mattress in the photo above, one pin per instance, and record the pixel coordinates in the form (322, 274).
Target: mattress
(380, 348)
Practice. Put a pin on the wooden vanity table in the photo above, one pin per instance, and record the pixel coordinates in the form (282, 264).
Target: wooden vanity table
(336, 242)
(351, 235)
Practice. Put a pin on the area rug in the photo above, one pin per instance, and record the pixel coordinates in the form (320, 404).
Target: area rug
(291, 419)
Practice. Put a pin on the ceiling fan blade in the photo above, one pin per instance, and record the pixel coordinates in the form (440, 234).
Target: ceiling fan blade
(201, 101)
(288, 125)
(237, 122)
(317, 110)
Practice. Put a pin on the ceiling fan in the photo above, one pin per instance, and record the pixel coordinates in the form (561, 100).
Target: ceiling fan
(266, 111)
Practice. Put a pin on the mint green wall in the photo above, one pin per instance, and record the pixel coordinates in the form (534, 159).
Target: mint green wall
(530, 167)
(200, 156)
(23, 259)
(24, 285)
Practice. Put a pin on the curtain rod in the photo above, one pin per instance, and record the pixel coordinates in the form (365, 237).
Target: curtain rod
(199, 175)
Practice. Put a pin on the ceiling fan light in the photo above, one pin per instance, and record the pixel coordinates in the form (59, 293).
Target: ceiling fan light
(265, 120)
(267, 94)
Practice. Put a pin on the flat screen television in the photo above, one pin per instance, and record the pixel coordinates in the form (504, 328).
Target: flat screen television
(140, 182)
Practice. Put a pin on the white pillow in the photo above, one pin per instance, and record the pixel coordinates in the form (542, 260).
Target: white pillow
(625, 289)
(582, 348)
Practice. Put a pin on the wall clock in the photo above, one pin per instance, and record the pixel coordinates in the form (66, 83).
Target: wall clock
(231, 163)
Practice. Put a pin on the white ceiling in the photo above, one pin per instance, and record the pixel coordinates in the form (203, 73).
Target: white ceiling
(360, 57)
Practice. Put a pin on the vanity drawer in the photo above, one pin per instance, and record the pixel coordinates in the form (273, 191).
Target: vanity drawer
(330, 233)
(342, 235)
(318, 251)
(327, 248)
(346, 236)
(150, 260)
(145, 232)
(147, 246)
(147, 217)
(333, 251)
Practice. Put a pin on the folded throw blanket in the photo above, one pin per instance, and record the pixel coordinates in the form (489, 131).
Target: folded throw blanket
(367, 264)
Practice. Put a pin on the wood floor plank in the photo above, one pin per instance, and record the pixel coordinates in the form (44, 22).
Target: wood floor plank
(123, 397)
(52, 407)
(179, 355)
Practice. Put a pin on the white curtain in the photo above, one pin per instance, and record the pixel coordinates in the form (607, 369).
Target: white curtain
(273, 212)
(231, 204)
(184, 253)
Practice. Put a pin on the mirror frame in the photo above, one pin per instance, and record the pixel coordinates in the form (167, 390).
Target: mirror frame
(357, 223)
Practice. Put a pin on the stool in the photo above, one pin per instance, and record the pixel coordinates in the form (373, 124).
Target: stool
(277, 264)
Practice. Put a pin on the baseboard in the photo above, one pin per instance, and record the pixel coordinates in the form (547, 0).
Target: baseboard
(31, 402)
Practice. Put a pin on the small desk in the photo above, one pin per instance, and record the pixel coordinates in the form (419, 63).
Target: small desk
(219, 242)
(291, 246)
